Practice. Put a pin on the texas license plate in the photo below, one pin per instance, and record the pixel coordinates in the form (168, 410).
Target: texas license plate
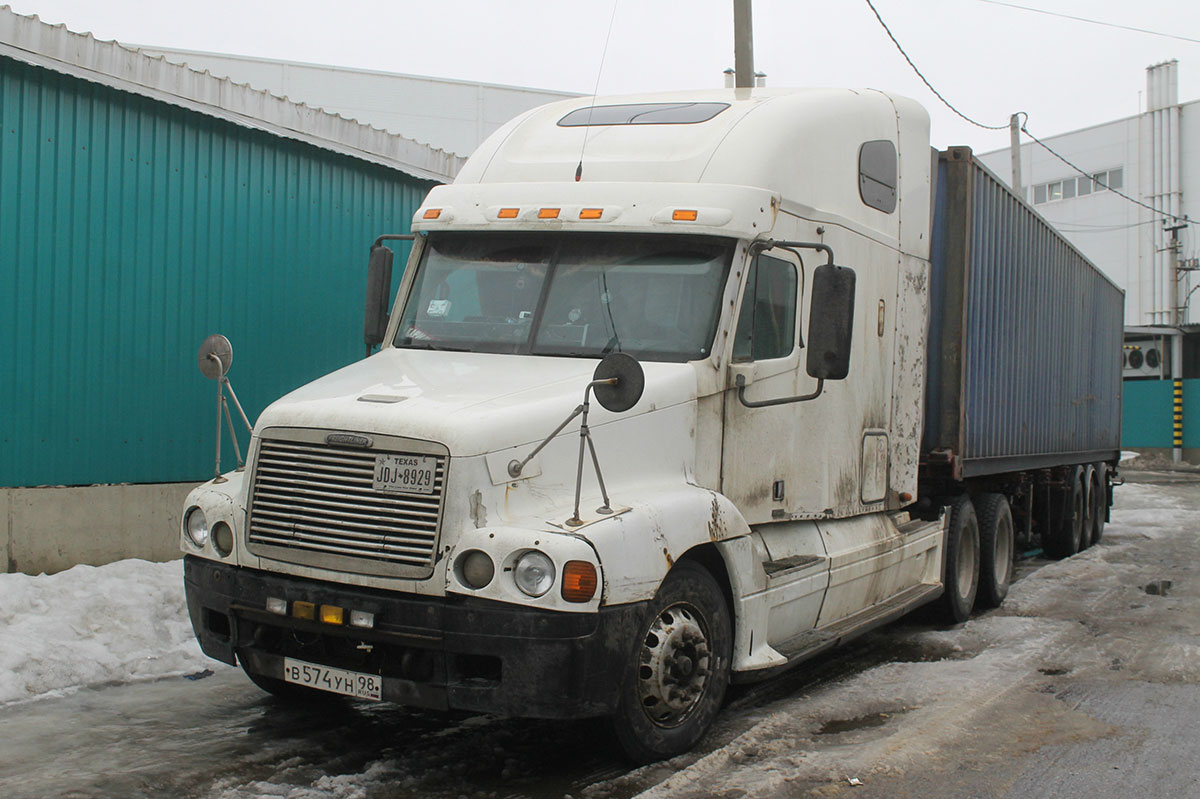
(405, 474)
(337, 681)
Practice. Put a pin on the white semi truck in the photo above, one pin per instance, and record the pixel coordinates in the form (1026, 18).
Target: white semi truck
(677, 390)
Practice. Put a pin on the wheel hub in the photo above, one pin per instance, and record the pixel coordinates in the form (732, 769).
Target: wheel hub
(673, 667)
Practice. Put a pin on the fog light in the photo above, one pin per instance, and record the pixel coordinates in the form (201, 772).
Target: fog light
(578, 581)
(475, 569)
(360, 618)
(304, 610)
(277, 605)
(331, 614)
(534, 573)
(196, 526)
(222, 538)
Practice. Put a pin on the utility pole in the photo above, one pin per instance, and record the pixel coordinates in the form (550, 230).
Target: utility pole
(1176, 343)
(743, 45)
(1014, 134)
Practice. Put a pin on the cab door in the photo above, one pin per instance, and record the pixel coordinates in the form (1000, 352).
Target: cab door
(763, 449)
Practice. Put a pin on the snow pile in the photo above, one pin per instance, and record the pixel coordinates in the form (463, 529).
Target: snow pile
(93, 625)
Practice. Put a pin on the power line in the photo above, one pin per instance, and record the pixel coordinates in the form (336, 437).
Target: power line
(1118, 192)
(1024, 128)
(1091, 21)
(922, 77)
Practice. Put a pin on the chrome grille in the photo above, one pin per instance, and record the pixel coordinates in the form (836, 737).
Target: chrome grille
(316, 498)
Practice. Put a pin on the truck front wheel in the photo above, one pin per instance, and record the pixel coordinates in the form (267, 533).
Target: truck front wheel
(679, 667)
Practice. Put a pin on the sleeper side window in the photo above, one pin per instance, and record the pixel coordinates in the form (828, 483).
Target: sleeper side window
(877, 175)
(766, 325)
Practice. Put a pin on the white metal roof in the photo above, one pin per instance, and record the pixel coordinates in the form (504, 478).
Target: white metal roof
(81, 55)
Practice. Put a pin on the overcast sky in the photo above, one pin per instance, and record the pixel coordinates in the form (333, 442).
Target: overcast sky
(986, 59)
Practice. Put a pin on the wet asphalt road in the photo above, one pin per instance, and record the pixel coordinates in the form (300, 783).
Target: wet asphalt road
(1106, 708)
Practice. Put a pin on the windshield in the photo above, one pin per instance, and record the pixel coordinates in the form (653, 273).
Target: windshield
(655, 297)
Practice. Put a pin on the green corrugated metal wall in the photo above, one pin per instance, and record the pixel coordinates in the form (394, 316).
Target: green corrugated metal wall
(129, 230)
(1147, 416)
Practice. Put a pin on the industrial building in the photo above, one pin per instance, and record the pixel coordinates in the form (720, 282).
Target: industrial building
(1146, 247)
(143, 206)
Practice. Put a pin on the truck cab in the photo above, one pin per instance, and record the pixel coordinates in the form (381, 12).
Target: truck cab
(423, 527)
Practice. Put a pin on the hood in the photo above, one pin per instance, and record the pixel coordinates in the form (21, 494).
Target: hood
(473, 403)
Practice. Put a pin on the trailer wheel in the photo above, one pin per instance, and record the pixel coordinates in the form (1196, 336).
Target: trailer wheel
(996, 547)
(1087, 485)
(1066, 534)
(1100, 491)
(960, 572)
(678, 669)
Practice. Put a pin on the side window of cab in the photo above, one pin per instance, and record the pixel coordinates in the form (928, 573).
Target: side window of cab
(766, 326)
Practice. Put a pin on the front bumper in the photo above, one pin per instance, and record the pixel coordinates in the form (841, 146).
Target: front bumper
(438, 652)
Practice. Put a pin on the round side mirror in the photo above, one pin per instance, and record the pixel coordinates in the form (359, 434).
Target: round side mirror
(216, 356)
(623, 394)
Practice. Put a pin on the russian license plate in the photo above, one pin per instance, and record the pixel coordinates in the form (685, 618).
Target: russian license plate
(338, 681)
(405, 474)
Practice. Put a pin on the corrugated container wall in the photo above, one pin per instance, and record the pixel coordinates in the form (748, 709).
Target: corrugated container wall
(1025, 335)
(131, 229)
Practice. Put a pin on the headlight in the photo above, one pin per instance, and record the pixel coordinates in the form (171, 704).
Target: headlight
(222, 537)
(475, 569)
(196, 526)
(534, 573)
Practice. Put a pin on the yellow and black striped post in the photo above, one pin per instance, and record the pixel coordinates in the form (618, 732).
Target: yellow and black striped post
(1178, 415)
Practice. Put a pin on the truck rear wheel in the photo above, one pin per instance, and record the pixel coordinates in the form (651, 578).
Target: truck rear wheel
(960, 572)
(996, 546)
(679, 668)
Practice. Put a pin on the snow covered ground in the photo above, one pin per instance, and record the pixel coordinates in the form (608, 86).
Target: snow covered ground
(91, 625)
(1089, 617)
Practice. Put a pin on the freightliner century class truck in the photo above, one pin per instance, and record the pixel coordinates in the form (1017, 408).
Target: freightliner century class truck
(677, 390)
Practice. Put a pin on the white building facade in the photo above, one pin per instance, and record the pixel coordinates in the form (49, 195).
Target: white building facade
(450, 115)
(1154, 158)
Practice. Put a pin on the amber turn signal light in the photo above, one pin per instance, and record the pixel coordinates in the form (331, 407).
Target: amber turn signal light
(578, 581)
(548, 213)
(433, 213)
(507, 213)
(591, 213)
(304, 610)
(331, 614)
(684, 216)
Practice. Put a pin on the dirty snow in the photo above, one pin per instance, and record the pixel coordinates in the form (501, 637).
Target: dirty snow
(127, 621)
(93, 625)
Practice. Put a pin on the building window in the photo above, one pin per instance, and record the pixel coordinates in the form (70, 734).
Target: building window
(1081, 186)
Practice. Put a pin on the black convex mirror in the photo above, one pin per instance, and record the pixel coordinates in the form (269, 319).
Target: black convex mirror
(831, 322)
(379, 288)
(622, 394)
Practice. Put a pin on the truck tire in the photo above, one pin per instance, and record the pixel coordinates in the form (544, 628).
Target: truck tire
(678, 667)
(960, 570)
(1100, 490)
(1065, 535)
(1086, 480)
(996, 546)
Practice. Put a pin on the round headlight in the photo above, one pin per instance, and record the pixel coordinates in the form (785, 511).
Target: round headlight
(222, 537)
(475, 569)
(534, 573)
(196, 526)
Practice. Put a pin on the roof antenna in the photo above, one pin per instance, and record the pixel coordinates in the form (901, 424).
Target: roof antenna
(587, 126)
